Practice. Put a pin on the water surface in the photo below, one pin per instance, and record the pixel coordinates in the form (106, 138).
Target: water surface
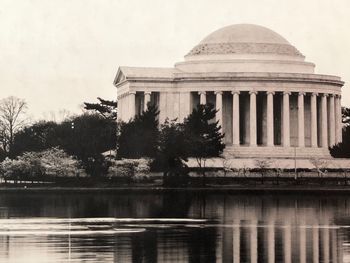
(177, 227)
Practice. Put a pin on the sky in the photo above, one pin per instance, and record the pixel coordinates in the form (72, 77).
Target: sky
(58, 54)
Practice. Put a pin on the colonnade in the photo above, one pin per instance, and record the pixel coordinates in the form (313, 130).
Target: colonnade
(330, 120)
(325, 116)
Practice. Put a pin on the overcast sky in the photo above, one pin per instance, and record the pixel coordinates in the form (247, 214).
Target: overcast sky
(58, 54)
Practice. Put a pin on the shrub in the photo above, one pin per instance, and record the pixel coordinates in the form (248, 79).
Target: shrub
(53, 162)
(133, 169)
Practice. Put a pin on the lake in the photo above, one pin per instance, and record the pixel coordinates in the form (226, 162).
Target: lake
(174, 227)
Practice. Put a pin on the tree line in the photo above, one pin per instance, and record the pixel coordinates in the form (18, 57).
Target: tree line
(172, 143)
(83, 137)
(87, 136)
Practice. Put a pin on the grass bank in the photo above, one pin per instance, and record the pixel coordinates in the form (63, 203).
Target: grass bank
(231, 189)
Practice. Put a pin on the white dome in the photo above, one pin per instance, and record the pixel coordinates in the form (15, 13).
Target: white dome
(245, 48)
(244, 33)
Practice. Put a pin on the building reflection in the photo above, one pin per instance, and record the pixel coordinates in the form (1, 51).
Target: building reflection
(250, 242)
(239, 229)
(280, 234)
(273, 233)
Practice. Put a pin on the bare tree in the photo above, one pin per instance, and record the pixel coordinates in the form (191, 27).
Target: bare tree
(320, 165)
(57, 116)
(12, 119)
(245, 170)
(263, 165)
(279, 170)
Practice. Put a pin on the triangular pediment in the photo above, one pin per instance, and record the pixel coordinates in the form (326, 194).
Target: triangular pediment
(120, 76)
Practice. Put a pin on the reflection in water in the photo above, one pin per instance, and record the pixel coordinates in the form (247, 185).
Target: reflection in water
(159, 228)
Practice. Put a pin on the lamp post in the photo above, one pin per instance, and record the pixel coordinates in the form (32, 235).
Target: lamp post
(295, 163)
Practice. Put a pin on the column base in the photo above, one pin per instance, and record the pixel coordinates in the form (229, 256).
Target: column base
(246, 151)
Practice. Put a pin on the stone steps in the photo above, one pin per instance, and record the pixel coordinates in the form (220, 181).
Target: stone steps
(275, 152)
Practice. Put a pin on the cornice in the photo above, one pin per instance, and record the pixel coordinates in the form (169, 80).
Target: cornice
(241, 76)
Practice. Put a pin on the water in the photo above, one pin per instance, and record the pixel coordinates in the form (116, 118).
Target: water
(180, 227)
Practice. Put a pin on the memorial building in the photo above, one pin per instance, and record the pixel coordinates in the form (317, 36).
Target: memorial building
(269, 101)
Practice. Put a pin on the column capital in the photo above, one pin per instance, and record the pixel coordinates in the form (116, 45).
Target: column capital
(287, 93)
(235, 92)
(218, 92)
(314, 94)
(270, 92)
(148, 92)
(332, 95)
(301, 93)
(253, 92)
(132, 92)
(324, 95)
(338, 96)
(202, 92)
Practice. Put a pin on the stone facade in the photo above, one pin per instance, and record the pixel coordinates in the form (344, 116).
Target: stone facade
(269, 101)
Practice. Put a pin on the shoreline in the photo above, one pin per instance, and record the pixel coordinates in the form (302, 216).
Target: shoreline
(208, 189)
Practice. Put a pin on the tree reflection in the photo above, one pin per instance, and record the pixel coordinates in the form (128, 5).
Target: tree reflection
(240, 228)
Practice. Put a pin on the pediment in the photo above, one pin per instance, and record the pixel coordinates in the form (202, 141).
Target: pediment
(120, 77)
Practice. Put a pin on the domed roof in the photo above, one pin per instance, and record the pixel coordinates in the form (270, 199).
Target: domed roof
(244, 39)
(245, 48)
(244, 33)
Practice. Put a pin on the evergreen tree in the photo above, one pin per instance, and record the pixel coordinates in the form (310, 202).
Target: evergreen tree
(342, 150)
(139, 137)
(37, 137)
(345, 116)
(106, 108)
(172, 154)
(203, 136)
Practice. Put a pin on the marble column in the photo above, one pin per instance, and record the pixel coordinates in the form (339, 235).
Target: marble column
(286, 120)
(235, 116)
(252, 118)
(331, 120)
(301, 120)
(147, 99)
(202, 97)
(314, 120)
(338, 120)
(269, 124)
(218, 116)
(324, 123)
(132, 106)
(336, 105)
